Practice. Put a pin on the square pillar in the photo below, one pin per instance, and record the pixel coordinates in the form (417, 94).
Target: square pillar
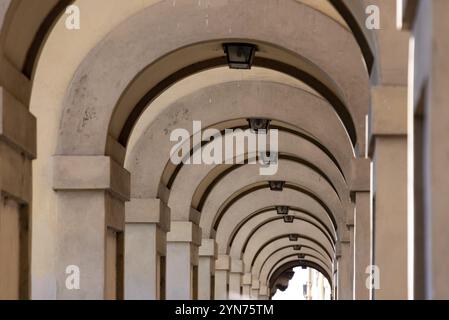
(183, 241)
(263, 292)
(206, 269)
(235, 279)
(388, 149)
(345, 263)
(362, 245)
(255, 286)
(147, 224)
(349, 264)
(17, 150)
(222, 267)
(91, 195)
(246, 286)
(361, 196)
(437, 149)
(335, 276)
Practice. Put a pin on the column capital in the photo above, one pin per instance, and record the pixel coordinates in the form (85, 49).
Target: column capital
(360, 175)
(339, 247)
(350, 212)
(184, 231)
(345, 236)
(247, 279)
(388, 113)
(237, 266)
(17, 125)
(223, 262)
(15, 174)
(148, 211)
(208, 248)
(15, 81)
(255, 284)
(263, 290)
(76, 173)
(338, 251)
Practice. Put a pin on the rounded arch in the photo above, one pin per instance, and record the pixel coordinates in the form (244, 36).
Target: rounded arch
(92, 77)
(293, 263)
(25, 26)
(244, 179)
(276, 229)
(211, 105)
(349, 15)
(253, 202)
(256, 220)
(242, 239)
(328, 221)
(304, 263)
(299, 238)
(260, 259)
(217, 182)
(276, 258)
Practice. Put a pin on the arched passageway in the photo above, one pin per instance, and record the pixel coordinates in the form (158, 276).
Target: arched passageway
(302, 283)
(92, 120)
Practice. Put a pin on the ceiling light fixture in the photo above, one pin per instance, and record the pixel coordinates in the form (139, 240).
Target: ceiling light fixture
(277, 185)
(240, 55)
(282, 209)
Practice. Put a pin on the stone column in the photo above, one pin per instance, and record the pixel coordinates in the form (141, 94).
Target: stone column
(349, 265)
(345, 262)
(17, 150)
(438, 149)
(388, 149)
(263, 292)
(235, 279)
(206, 269)
(147, 224)
(360, 194)
(335, 273)
(183, 241)
(91, 191)
(222, 267)
(255, 287)
(246, 286)
(363, 245)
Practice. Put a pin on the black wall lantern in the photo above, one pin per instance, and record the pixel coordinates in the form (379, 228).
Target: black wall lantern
(282, 209)
(277, 185)
(240, 55)
(293, 237)
(256, 124)
(288, 219)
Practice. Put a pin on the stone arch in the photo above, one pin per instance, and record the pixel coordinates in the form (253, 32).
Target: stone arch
(263, 199)
(86, 79)
(281, 256)
(251, 95)
(281, 244)
(261, 236)
(289, 265)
